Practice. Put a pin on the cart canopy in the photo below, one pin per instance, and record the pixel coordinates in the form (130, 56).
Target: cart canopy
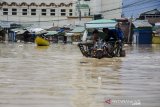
(101, 23)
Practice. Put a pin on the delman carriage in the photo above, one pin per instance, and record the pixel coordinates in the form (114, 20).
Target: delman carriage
(101, 48)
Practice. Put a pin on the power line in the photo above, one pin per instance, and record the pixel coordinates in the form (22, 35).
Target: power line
(126, 6)
(66, 19)
(106, 4)
(131, 10)
(129, 5)
(120, 7)
(143, 2)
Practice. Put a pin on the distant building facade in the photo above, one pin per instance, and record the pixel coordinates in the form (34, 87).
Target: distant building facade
(150, 14)
(57, 12)
(109, 9)
(153, 16)
(35, 11)
(51, 12)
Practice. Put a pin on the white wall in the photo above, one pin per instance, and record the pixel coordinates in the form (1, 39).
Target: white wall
(96, 6)
(36, 19)
(39, 1)
(109, 5)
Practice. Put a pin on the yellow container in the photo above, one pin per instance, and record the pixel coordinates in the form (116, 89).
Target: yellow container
(156, 39)
(41, 42)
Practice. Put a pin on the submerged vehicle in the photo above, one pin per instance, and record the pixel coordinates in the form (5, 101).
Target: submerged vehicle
(101, 48)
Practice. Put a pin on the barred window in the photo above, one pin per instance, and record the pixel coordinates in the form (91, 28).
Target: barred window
(5, 11)
(70, 12)
(43, 12)
(24, 11)
(52, 12)
(63, 12)
(33, 11)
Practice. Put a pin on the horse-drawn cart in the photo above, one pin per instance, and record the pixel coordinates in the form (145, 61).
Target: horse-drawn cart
(101, 48)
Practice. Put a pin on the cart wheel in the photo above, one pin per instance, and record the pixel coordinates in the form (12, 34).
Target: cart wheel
(99, 54)
(122, 53)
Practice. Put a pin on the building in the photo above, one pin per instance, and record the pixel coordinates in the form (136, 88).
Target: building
(109, 9)
(40, 13)
(153, 16)
(56, 12)
(33, 11)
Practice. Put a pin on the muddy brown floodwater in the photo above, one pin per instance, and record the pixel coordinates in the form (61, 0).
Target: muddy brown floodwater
(59, 76)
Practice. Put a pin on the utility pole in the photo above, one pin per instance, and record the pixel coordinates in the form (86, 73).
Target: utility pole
(79, 10)
(39, 20)
(58, 15)
(130, 28)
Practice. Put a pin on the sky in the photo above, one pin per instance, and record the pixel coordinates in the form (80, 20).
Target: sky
(136, 7)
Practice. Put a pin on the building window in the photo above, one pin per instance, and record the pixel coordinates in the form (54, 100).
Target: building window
(14, 11)
(63, 12)
(70, 12)
(24, 11)
(33, 11)
(5, 11)
(52, 12)
(43, 12)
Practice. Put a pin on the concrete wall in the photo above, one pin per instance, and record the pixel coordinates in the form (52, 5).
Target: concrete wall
(96, 6)
(39, 1)
(111, 9)
(38, 19)
(106, 8)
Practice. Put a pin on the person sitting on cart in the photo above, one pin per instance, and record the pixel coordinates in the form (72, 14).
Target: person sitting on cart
(110, 35)
(119, 32)
(95, 36)
(114, 34)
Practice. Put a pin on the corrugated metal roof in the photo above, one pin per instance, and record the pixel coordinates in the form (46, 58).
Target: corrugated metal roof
(78, 30)
(18, 31)
(51, 33)
(157, 24)
(101, 23)
(141, 23)
(155, 11)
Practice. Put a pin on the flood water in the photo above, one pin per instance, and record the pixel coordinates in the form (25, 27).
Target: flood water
(59, 76)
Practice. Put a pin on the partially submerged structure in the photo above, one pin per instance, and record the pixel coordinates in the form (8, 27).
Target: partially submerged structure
(76, 34)
(142, 32)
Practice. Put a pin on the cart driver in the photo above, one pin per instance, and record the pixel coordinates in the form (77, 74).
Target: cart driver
(110, 35)
(95, 36)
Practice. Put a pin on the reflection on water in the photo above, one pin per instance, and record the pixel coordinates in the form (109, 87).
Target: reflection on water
(41, 47)
(60, 76)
